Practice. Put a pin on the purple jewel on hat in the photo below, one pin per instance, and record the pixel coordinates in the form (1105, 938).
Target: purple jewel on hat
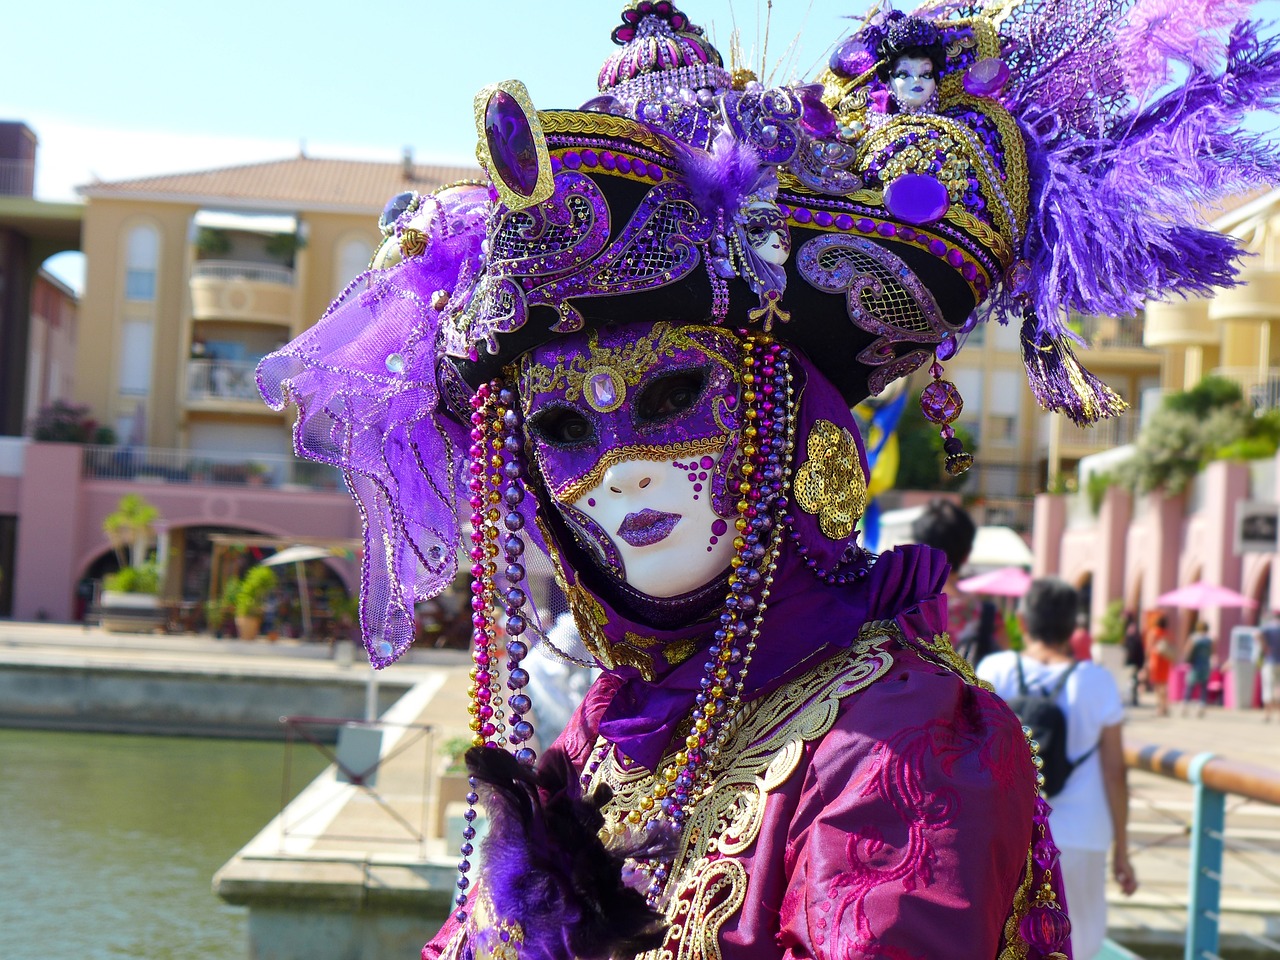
(510, 141)
(986, 78)
(512, 145)
(917, 198)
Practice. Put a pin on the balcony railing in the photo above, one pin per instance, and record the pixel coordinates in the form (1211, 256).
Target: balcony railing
(221, 380)
(17, 178)
(242, 270)
(1103, 435)
(1124, 332)
(1260, 387)
(156, 465)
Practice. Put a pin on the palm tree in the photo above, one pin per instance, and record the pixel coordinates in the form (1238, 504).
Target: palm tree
(130, 528)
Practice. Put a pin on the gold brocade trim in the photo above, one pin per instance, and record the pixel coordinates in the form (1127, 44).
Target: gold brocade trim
(571, 491)
(604, 125)
(1015, 947)
(971, 153)
(627, 363)
(830, 484)
(993, 240)
(708, 884)
(1017, 182)
(941, 648)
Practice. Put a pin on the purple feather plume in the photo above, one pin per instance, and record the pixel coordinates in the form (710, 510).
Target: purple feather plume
(1159, 33)
(547, 869)
(720, 179)
(1109, 218)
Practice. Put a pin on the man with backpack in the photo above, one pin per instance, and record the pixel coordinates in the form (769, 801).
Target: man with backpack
(1075, 712)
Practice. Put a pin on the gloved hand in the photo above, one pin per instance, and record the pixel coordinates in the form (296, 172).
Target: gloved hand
(552, 889)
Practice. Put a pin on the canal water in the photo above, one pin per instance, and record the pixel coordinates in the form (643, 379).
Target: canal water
(108, 843)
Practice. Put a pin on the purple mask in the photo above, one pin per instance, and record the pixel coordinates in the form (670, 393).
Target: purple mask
(633, 429)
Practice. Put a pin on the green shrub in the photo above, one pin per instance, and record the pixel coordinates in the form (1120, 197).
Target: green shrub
(1096, 488)
(254, 588)
(1111, 628)
(143, 579)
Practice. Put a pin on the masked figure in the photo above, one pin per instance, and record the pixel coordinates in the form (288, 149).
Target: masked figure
(633, 352)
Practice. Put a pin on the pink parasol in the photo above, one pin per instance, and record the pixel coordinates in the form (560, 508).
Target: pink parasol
(1198, 595)
(1005, 582)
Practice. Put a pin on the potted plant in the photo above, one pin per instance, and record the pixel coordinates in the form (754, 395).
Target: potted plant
(251, 595)
(131, 596)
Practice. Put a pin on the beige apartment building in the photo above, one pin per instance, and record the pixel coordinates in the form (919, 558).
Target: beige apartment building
(192, 278)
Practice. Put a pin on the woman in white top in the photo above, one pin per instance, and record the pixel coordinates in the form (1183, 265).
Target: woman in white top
(1091, 811)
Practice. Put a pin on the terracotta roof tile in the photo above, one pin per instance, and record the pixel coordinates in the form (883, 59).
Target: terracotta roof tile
(300, 182)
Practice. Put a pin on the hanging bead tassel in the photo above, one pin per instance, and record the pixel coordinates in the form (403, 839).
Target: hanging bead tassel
(941, 403)
(514, 598)
(1046, 927)
(485, 702)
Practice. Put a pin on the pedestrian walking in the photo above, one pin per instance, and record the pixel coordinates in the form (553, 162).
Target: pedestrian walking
(1269, 657)
(1159, 661)
(1199, 660)
(1081, 641)
(1135, 655)
(1091, 810)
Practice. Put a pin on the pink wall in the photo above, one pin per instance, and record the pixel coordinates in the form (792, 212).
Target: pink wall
(60, 521)
(1140, 550)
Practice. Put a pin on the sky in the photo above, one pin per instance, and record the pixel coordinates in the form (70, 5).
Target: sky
(140, 87)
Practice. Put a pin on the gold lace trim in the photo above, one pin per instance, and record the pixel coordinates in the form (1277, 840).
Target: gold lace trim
(708, 884)
(1015, 947)
(942, 650)
(627, 362)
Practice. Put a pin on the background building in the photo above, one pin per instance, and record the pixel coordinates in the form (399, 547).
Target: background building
(190, 279)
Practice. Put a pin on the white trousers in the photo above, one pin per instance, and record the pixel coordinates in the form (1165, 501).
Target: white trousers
(1084, 872)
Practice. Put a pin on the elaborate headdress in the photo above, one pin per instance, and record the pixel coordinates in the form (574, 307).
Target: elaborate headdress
(832, 238)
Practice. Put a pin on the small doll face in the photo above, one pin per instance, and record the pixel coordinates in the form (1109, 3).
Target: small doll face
(767, 232)
(631, 428)
(912, 82)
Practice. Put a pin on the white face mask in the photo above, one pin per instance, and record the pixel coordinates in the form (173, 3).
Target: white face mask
(659, 518)
(766, 232)
(912, 82)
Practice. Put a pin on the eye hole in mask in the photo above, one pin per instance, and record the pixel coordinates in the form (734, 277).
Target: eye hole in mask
(669, 396)
(562, 427)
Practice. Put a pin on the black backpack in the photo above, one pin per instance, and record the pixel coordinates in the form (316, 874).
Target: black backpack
(1039, 710)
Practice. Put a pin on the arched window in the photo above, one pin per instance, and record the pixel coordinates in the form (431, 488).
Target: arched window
(142, 254)
(354, 254)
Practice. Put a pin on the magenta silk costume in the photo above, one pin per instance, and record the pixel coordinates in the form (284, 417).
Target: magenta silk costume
(633, 349)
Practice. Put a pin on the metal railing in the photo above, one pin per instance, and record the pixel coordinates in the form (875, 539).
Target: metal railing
(1261, 387)
(242, 270)
(17, 178)
(1102, 435)
(1213, 780)
(222, 380)
(1111, 331)
(157, 465)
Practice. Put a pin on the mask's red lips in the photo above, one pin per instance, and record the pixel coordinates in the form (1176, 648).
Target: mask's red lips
(647, 527)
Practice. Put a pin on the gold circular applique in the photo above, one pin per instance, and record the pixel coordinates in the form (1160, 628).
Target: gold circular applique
(413, 243)
(830, 484)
